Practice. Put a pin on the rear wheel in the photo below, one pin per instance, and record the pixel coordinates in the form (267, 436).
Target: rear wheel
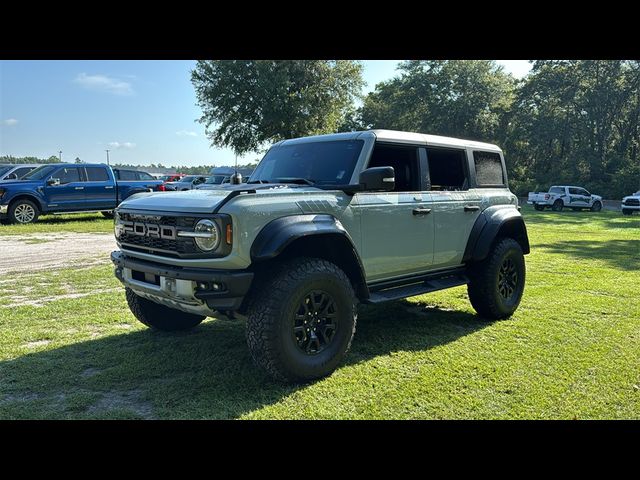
(557, 206)
(23, 211)
(539, 208)
(301, 323)
(596, 207)
(160, 317)
(497, 283)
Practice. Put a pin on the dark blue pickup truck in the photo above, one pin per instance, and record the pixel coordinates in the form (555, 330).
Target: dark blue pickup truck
(67, 188)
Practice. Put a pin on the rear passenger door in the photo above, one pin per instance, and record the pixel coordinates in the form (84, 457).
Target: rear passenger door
(99, 190)
(455, 206)
(397, 226)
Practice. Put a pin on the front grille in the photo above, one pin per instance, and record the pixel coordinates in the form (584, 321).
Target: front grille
(179, 246)
(632, 202)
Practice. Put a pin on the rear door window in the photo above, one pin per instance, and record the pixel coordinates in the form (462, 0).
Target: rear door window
(97, 174)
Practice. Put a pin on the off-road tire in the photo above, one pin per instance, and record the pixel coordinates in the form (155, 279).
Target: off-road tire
(20, 208)
(557, 206)
(107, 214)
(483, 285)
(596, 207)
(627, 211)
(158, 316)
(271, 313)
(539, 208)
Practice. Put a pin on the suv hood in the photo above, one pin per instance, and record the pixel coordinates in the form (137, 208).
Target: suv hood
(198, 201)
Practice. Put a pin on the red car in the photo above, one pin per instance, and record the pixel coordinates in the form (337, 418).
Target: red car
(172, 178)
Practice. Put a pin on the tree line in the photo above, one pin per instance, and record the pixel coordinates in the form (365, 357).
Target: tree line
(566, 122)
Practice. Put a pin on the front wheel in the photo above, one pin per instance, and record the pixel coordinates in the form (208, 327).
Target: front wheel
(158, 316)
(23, 211)
(596, 207)
(497, 283)
(107, 214)
(301, 322)
(557, 206)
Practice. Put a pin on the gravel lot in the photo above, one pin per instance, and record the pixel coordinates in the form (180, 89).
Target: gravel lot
(30, 253)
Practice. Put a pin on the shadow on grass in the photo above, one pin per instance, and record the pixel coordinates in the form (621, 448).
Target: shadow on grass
(622, 254)
(62, 219)
(205, 373)
(602, 219)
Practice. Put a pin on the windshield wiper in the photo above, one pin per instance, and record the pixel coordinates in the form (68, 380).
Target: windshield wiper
(300, 181)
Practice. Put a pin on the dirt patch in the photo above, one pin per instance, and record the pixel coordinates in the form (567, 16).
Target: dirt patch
(37, 343)
(123, 400)
(21, 301)
(28, 253)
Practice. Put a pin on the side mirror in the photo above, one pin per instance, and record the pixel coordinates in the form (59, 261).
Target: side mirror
(53, 182)
(378, 178)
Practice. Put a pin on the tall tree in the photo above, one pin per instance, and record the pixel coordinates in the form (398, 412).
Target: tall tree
(461, 98)
(247, 103)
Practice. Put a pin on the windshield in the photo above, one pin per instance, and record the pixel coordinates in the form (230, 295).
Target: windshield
(215, 180)
(40, 172)
(166, 178)
(320, 163)
(188, 179)
(4, 170)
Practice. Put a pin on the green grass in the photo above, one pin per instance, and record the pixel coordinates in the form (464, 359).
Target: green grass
(80, 223)
(570, 351)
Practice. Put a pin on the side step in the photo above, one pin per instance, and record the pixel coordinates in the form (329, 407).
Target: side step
(426, 286)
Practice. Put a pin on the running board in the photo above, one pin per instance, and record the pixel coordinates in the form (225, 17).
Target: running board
(426, 286)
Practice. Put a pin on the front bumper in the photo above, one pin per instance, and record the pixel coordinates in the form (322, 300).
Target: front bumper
(180, 288)
(630, 207)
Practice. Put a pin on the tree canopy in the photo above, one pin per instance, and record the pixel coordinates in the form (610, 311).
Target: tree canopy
(248, 103)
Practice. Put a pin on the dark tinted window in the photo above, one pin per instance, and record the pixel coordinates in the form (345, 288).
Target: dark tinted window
(145, 176)
(127, 175)
(67, 175)
(97, 174)
(4, 170)
(488, 168)
(324, 163)
(574, 191)
(404, 161)
(447, 168)
(556, 190)
(40, 172)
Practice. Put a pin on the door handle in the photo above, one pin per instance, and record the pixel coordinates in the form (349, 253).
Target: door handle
(421, 211)
(108, 188)
(471, 208)
(79, 188)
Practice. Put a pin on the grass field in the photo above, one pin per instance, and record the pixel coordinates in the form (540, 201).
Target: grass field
(572, 350)
(81, 223)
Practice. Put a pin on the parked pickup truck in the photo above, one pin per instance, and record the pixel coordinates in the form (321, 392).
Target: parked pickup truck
(66, 188)
(558, 197)
(631, 204)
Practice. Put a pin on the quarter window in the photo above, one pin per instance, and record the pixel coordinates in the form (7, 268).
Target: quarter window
(488, 169)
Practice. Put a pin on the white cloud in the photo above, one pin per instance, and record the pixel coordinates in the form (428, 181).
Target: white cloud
(186, 133)
(117, 145)
(103, 83)
(10, 122)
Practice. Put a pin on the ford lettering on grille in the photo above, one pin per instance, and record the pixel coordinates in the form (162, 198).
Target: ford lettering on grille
(166, 232)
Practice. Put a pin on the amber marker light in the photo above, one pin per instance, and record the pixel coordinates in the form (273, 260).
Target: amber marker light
(229, 234)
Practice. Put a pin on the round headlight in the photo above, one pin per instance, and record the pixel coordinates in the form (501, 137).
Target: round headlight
(208, 235)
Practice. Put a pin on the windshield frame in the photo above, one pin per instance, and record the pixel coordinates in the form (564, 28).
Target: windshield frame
(49, 169)
(350, 171)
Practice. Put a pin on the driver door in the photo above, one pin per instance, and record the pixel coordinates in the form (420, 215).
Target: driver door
(69, 194)
(397, 228)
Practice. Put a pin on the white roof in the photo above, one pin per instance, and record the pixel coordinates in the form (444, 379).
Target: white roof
(399, 137)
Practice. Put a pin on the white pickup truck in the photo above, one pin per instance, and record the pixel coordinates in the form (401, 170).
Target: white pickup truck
(560, 196)
(631, 203)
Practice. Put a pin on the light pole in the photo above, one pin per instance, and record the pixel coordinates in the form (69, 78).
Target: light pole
(60, 155)
(107, 156)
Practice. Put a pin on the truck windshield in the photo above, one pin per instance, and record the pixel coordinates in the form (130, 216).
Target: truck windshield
(187, 179)
(40, 172)
(4, 170)
(215, 180)
(318, 163)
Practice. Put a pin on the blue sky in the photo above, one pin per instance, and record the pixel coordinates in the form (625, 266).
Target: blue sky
(142, 111)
